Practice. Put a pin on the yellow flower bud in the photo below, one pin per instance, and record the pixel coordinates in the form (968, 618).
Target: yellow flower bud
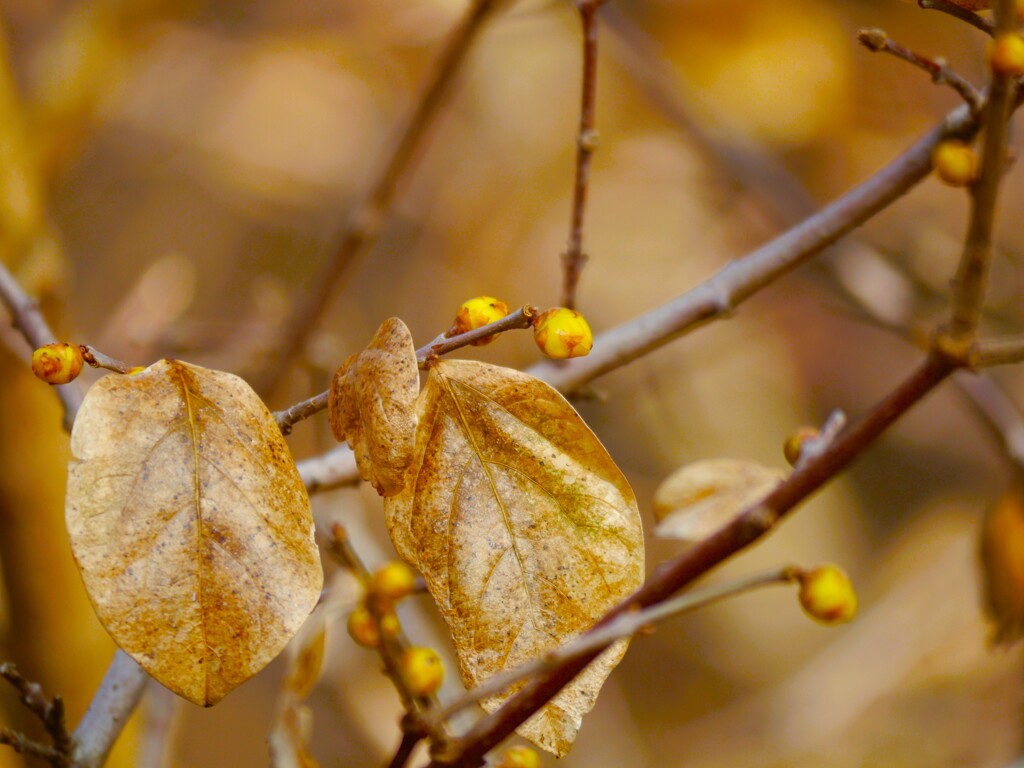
(827, 595)
(562, 333)
(955, 163)
(794, 444)
(476, 313)
(57, 363)
(422, 670)
(519, 757)
(1002, 562)
(392, 582)
(363, 628)
(1006, 54)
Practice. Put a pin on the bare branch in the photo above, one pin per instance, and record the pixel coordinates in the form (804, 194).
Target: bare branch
(49, 711)
(941, 73)
(367, 219)
(113, 704)
(586, 142)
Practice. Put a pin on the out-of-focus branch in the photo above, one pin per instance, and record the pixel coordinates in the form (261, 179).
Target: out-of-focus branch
(574, 258)
(29, 321)
(113, 704)
(367, 219)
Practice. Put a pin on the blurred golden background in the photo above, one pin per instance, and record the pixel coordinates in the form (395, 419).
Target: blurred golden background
(174, 175)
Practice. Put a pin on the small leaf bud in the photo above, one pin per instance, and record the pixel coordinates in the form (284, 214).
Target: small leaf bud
(392, 582)
(561, 333)
(57, 363)
(422, 670)
(827, 595)
(389, 624)
(476, 313)
(519, 757)
(363, 628)
(955, 163)
(794, 444)
(1006, 55)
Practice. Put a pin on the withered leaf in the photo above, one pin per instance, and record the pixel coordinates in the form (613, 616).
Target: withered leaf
(190, 525)
(1002, 564)
(523, 527)
(700, 498)
(372, 405)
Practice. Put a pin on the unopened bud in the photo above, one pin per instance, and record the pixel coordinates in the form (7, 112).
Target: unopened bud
(561, 333)
(57, 363)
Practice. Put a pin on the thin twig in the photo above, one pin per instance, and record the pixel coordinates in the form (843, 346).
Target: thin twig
(940, 71)
(624, 625)
(49, 711)
(747, 528)
(521, 319)
(1003, 350)
(367, 219)
(24, 745)
(574, 258)
(97, 359)
(956, 11)
(971, 278)
(441, 345)
(30, 322)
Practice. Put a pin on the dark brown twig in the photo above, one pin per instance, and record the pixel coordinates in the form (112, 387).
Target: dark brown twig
(940, 71)
(50, 713)
(957, 12)
(367, 219)
(574, 258)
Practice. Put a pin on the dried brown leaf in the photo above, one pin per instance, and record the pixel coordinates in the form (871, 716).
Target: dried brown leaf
(700, 498)
(523, 527)
(1002, 563)
(190, 525)
(372, 406)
